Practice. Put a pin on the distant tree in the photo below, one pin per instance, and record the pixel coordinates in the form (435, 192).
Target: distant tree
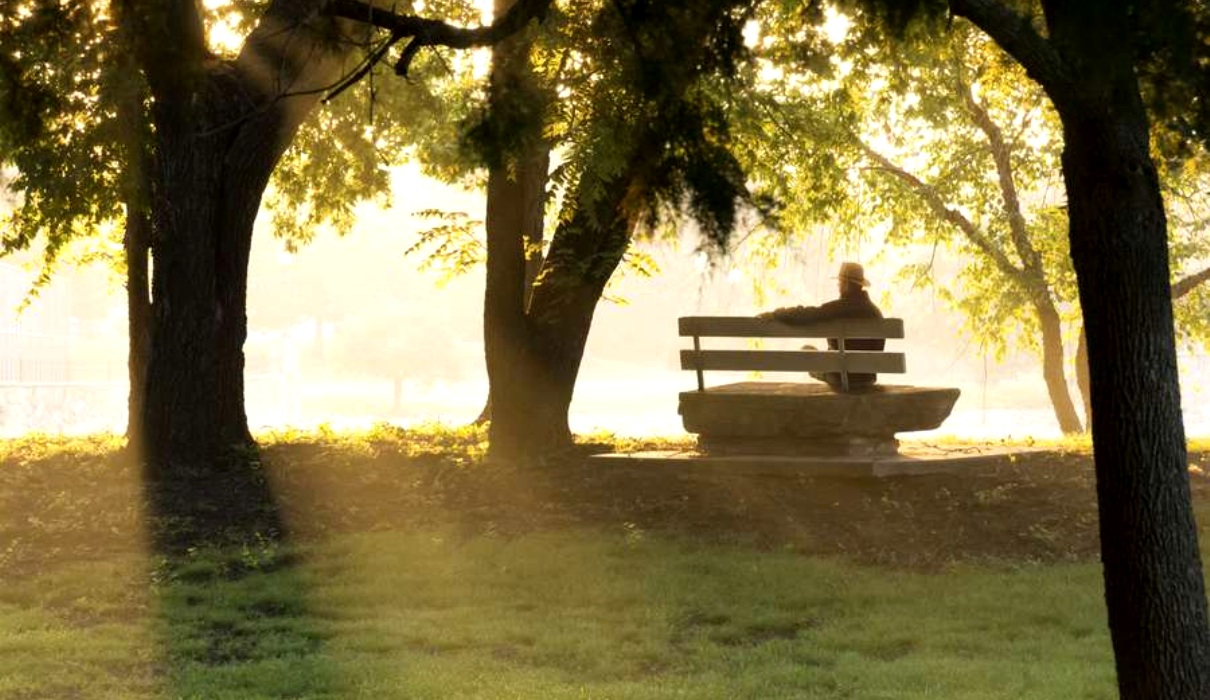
(946, 143)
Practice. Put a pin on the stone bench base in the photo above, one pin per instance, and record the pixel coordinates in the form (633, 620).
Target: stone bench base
(794, 418)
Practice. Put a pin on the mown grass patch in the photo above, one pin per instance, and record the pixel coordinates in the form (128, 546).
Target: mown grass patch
(573, 614)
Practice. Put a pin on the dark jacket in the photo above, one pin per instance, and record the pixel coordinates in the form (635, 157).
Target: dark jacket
(856, 304)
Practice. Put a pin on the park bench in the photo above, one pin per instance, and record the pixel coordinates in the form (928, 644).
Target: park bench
(806, 417)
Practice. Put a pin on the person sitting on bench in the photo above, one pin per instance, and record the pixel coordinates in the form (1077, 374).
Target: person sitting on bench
(854, 302)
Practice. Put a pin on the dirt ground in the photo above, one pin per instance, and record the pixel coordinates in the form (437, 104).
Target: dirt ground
(1039, 509)
(1042, 508)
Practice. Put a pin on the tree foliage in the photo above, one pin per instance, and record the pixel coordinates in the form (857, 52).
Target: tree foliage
(921, 142)
(63, 77)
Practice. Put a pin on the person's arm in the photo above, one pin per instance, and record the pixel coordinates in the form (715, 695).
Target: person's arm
(793, 314)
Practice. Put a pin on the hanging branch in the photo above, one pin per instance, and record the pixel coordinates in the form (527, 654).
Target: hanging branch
(430, 32)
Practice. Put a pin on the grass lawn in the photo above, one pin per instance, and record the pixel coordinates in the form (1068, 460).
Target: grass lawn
(413, 570)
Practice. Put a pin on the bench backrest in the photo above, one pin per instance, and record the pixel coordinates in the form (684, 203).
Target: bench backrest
(841, 360)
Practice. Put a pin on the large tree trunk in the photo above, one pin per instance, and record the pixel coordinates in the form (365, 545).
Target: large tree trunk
(1153, 575)
(1154, 590)
(525, 192)
(180, 419)
(221, 127)
(1153, 579)
(1053, 360)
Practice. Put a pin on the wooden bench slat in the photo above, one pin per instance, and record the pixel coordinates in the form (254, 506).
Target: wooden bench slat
(793, 361)
(742, 327)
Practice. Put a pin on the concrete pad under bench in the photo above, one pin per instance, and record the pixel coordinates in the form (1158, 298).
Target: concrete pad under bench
(912, 459)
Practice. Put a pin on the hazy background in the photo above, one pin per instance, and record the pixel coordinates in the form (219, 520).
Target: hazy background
(349, 331)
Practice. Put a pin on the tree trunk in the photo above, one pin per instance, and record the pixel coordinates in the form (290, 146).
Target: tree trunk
(180, 416)
(220, 128)
(136, 244)
(1053, 361)
(513, 366)
(526, 192)
(516, 206)
(531, 402)
(516, 190)
(1083, 380)
(1153, 575)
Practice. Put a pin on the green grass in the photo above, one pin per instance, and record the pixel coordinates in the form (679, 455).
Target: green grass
(419, 571)
(575, 614)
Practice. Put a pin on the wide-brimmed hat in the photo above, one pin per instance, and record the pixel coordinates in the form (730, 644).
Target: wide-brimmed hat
(853, 272)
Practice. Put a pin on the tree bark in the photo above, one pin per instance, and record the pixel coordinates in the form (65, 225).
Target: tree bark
(529, 194)
(1153, 580)
(136, 246)
(1153, 576)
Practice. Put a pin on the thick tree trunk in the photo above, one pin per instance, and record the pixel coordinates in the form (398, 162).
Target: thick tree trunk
(1053, 361)
(516, 196)
(221, 127)
(178, 414)
(1153, 575)
(513, 365)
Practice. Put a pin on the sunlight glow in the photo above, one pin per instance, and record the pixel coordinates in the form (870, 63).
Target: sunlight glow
(836, 25)
(486, 10)
(751, 33)
(222, 33)
(481, 62)
(223, 37)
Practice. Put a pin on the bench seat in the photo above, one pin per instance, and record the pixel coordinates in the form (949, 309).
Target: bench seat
(810, 418)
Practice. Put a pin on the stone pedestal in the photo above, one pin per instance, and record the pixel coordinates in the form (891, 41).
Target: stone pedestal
(787, 418)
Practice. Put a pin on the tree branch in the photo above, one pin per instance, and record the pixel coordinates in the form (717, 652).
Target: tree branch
(1015, 33)
(169, 41)
(430, 32)
(1030, 259)
(953, 216)
(1187, 284)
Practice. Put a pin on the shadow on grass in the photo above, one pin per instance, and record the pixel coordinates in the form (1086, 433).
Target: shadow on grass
(231, 599)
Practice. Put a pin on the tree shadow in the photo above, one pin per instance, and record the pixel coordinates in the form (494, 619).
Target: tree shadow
(230, 594)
